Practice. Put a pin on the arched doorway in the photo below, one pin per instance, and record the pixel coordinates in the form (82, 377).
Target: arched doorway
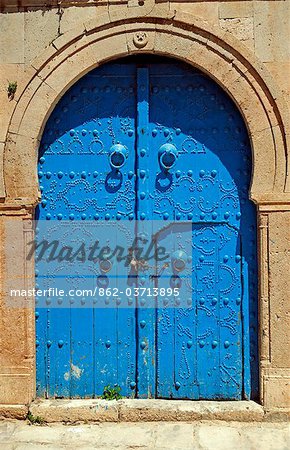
(188, 158)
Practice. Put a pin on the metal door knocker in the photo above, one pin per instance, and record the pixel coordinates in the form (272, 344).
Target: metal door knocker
(118, 155)
(167, 155)
(105, 265)
(178, 260)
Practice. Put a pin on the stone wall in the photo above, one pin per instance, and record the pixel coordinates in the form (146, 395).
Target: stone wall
(262, 26)
(245, 45)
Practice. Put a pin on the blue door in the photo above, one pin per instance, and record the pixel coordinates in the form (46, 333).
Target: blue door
(182, 155)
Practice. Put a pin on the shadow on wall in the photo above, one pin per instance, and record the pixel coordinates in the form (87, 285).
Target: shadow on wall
(14, 6)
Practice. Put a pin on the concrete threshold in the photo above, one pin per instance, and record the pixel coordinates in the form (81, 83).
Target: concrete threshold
(127, 410)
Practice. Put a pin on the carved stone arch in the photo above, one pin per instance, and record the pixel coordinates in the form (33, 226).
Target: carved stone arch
(182, 37)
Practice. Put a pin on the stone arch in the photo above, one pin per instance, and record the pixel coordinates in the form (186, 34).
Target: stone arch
(260, 102)
(180, 36)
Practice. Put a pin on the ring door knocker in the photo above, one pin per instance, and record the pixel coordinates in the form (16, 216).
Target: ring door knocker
(105, 265)
(179, 260)
(167, 156)
(118, 155)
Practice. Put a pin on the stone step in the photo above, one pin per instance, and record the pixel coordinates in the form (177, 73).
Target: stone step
(148, 410)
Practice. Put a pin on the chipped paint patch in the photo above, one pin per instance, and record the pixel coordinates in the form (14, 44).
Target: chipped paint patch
(75, 372)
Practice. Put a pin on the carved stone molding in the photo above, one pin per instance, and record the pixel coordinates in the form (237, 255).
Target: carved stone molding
(264, 304)
(140, 39)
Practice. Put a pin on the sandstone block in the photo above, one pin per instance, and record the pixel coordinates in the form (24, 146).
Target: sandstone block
(40, 28)
(12, 38)
(272, 31)
(75, 410)
(235, 10)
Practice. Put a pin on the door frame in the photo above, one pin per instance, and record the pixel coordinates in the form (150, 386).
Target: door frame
(261, 104)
